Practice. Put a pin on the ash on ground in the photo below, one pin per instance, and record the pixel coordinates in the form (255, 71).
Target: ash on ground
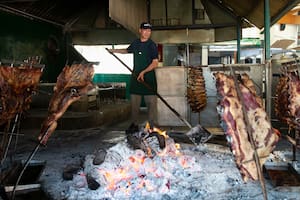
(203, 172)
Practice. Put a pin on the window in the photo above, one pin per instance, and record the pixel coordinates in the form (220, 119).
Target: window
(199, 14)
(107, 63)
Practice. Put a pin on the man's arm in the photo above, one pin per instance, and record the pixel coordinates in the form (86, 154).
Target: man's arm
(151, 67)
(118, 50)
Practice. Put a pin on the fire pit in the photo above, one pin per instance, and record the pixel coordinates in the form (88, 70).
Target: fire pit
(153, 171)
(121, 172)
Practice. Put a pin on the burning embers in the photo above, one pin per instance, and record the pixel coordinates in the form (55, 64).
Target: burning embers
(151, 141)
(151, 169)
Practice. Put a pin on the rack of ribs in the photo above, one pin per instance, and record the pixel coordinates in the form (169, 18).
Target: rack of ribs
(196, 93)
(230, 109)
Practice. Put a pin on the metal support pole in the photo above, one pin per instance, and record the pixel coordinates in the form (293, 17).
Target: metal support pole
(193, 12)
(166, 12)
(267, 29)
(268, 88)
(238, 41)
(267, 57)
(187, 54)
(149, 11)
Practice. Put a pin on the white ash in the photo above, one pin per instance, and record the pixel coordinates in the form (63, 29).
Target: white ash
(215, 178)
(277, 156)
(206, 172)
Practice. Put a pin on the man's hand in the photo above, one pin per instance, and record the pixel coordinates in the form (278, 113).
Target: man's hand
(141, 76)
(151, 67)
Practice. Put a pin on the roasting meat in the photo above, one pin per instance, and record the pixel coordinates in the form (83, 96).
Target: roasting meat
(17, 84)
(230, 108)
(282, 101)
(248, 83)
(287, 103)
(196, 93)
(72, 83)
(294, 97)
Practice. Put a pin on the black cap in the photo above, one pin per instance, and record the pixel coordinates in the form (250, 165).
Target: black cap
(146, 25)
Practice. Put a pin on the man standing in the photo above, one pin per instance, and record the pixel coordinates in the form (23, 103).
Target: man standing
(145, 61)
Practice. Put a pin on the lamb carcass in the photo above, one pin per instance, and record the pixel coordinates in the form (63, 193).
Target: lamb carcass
(230, 107)
(72, 83)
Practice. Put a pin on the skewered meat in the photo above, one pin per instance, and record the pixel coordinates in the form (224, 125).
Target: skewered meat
(72, 83)
(294, 97)
(265, 137)
(282, 101)
(247, 82)
(287, 103)
(17, 84)
(196, 93)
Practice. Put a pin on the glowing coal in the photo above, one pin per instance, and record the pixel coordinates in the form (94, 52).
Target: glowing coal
(190, 172)
(193, 172)
(127, 173)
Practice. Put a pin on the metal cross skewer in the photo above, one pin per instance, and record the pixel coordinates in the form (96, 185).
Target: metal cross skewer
(17, 133)
(10, 137)
(27, 163)
(249, 131)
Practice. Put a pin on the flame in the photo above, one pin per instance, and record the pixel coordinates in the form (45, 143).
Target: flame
(155, 129)
(177, 152)
(147, 126)
(135, 159)
(136, 162)
(183, 162)
(110, 180)
(149, 152)
(164, 133)
(141, 164)
(114, 176)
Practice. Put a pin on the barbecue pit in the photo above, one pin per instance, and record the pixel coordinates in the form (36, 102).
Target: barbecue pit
(210, 173)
